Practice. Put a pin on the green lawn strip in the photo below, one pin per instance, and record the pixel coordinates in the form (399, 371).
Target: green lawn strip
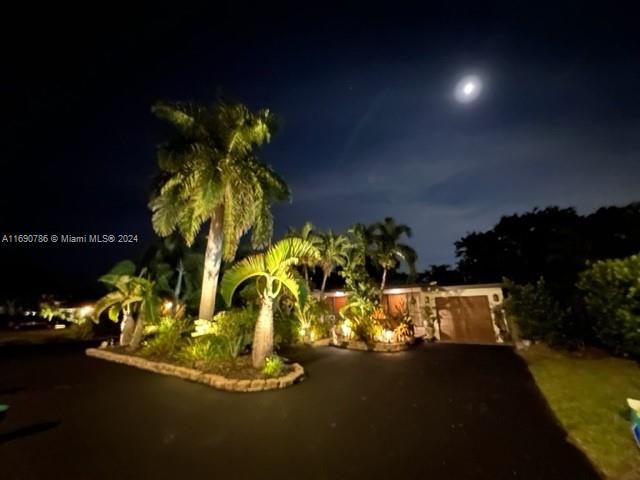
(588, 395)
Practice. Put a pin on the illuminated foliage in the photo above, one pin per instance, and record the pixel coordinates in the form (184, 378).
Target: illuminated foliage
(209, 172)
(273, 271)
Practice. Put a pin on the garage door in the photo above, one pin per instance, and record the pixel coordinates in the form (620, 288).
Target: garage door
(466, 319)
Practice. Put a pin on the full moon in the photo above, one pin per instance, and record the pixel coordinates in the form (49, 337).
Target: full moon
(468, 88)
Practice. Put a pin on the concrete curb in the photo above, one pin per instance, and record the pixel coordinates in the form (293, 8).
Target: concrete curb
(191, 374)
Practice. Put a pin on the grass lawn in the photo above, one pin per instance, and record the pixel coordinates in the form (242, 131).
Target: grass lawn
(587, 392)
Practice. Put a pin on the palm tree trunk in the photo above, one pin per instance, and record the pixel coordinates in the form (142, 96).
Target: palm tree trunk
(212, 259)
(178, 289)
(305, 269)
(263, 334)
(324, 282)
(384, 280)
(137, 333)
(126, 328)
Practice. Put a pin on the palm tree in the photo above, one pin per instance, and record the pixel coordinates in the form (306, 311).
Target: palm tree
(387, 251)
(273, 270)
(176, 269)
(132, 293)
(334, 251)
(210, 173)
(307, 233)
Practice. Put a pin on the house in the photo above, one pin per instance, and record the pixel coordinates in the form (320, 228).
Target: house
(458, 313)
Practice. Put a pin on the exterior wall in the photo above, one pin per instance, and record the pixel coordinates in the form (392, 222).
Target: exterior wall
(416, 298)
(493, 293)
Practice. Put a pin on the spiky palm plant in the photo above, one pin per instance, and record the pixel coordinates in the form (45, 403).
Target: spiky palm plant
(131, 293)
(210, 173)
(388, 251)
(334, 251)
(273, 270)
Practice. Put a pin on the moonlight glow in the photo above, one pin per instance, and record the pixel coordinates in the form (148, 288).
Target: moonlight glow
(468, 88)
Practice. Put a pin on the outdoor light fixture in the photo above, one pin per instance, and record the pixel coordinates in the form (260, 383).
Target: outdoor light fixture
(167, 306)
(388, 335)
(86, 311)
(339, 293)
(346, 329)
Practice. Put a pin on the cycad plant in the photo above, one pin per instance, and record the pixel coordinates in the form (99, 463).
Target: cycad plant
(209, 172)
(273, 271)
(132, 295)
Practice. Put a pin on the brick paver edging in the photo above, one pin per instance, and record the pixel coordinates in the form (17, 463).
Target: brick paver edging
(216, 381)
(377, 347)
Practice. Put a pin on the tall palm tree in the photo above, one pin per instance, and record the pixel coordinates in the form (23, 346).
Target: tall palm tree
(388, 251)
(307, 233)
(273, 270)
(210, 173)
(334, 251)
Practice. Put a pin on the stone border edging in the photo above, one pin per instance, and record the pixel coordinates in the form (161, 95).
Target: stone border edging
(377, 347)
(194, 375)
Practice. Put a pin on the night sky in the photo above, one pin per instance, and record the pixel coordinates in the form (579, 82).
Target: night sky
(368, 127)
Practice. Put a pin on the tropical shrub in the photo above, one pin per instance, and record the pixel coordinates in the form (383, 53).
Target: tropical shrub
(273, 366)
(233, 328)
(612, 298)
(204, 349)
(166, 338)
(313, 319)
(430, 318)
(320, 319)
(236, 327)
(540, 316)
(286, 326)
(358, 315)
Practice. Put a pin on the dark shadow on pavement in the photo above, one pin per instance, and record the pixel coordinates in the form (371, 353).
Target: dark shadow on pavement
(26, 431)
(11, 390)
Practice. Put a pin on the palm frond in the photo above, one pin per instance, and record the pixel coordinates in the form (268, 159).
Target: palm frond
(249, 267)
(296, 287)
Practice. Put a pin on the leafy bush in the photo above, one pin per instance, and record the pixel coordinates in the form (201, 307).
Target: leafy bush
(286, 328)
(273, 366)
(207, 348)
(314, 319)
(166, 339)
(359, 314)
(286, 325)
(612, 298)
(541, 316)
(236, 327)
(233, 330)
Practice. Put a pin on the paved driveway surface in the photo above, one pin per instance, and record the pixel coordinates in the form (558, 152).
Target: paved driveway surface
(436, 412)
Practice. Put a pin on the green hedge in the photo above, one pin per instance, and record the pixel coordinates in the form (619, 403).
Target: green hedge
(611, 291)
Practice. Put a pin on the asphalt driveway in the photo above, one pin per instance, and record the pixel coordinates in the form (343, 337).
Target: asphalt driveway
(436, 412)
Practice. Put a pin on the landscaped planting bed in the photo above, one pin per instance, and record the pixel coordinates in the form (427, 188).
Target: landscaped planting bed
(294, 373)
